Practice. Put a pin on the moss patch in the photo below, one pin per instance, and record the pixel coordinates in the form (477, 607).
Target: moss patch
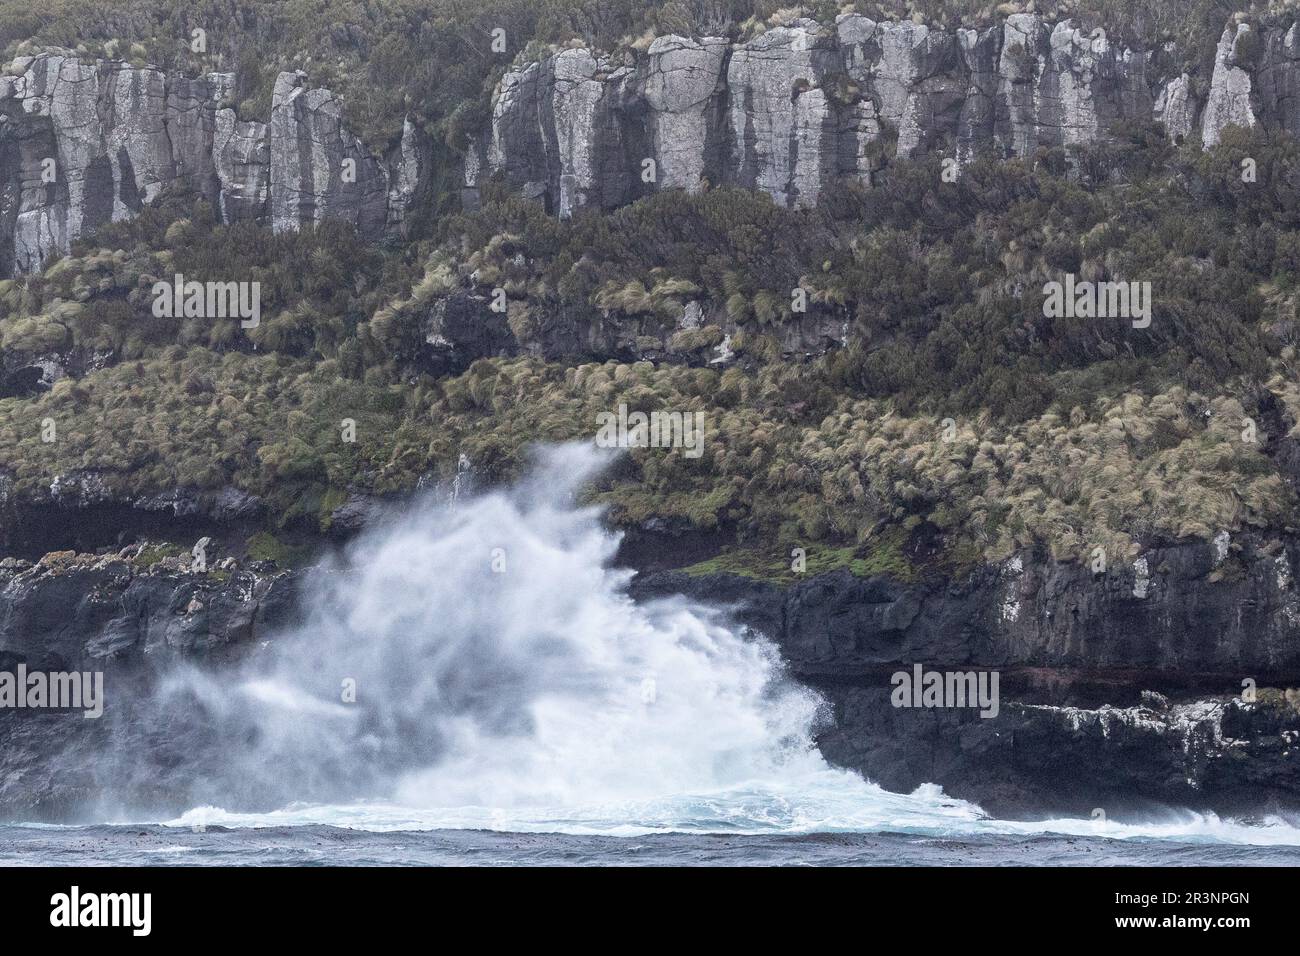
(265, 546)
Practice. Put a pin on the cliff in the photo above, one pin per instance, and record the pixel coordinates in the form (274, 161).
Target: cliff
(789, 112)
(805, 104)
(1112, 695)
(1119, 685)
(1147, 685)
(87, 142)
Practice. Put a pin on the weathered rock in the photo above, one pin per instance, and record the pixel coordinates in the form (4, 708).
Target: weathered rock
(1176, 108)
(782, 127)
(585, 93)
(1279, 78)
(916, 75)
(92, 142)
(1090, 713)
(682, 90)
(1209, 752)
(558, 132)
(241, 157)
(472, 169)
(461, 328)
(802, 104)
(191, 129)
(980, 54)
(787, 112)
(356, 513)
(86, 142)
(1228, 102)
(232, 504)
(406, 166)
(1075, 652)
(72, 613)
(1163, 614)
(1060, 87)
(318, 170)
(129, 624)
(515, 145)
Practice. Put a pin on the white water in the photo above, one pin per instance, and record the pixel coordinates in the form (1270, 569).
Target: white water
(538, 697)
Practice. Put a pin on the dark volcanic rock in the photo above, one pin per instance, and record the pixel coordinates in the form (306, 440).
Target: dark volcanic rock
(1213, 752)
(82, 611)
(79, 613)
(1117, 691)
(1115, 688)
(1175, 610)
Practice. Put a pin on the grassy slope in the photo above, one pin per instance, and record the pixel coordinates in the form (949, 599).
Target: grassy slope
(1072, 434)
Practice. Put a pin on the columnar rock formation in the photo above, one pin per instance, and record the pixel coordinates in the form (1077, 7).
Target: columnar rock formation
(1279, 77)
(317, 170)
(87, 142)
(791, 111)
(1229, 101)
(807, 103)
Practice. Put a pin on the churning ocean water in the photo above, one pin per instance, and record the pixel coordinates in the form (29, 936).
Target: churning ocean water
(474, 686)
(327, 845)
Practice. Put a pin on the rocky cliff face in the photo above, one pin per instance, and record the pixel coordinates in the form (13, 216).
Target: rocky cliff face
(1222, 609)
(1170, 681)
(1228, 102)
(807, 103)
(129, 616)
(803, 105)
(461, 327)
(86, 142)
(1160, 681)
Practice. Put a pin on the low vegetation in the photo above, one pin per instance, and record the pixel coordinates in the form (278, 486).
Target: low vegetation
(959, 423)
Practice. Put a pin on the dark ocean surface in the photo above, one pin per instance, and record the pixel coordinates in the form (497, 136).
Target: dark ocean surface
(154, 845)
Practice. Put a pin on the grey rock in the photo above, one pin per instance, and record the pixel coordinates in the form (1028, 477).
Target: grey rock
(79, 489)
(89, 142)
(781, 124)
(179, 502)
(318, 170)
(916, 75)
(460, 328)
(190, 125)
(1074, 651)
(515, 144)
(472, 167)
(1062, 87)
(558, 132)
(1229, 100)
(407, 169)
(1176, 107)
(86, 142)
(682, 89)
(232, 504)
(583, 93)
(1278, 78)
(980, 53)
(242, 158)
(803, 104)
(355, 513)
